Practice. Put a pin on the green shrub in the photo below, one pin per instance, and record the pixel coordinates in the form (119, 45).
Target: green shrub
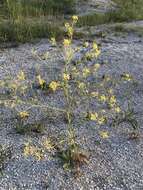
(40, 7)
(6, 31)
(5, 155)
(64, 6)
(29, 19)
(128, 10)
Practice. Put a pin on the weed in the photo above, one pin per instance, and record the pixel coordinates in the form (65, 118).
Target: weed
(73, 157)
(29, 19)
(81, 91)
(127, 116)
(5, 154)
(128, 10)
(93, 19)
(22, 128)
(32, 19)
(125, 11)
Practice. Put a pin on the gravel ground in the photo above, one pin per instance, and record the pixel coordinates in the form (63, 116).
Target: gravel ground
(115, 163)
(92, 6)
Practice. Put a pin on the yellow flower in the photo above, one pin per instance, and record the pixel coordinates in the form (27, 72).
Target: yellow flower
(96, 66)
(81, 85)
(67, 25)
(86, 72)
(107, 78)
(67, 42)
(53, 41)
(95, 46)
(101, 120)
(101, 84)
(93, 116)
(21, 75)
(86, 44)
(94, 94)
(127, 77)
(53, 85)
(27, 149)
(103, 98)
(75, 18)
(110, 91)
(45, 56)
(77, 49)
(39, 155)
(104, 134)
(34, 51)
(66, 76)
(23, 114)
(117, 109)
(111, 105)
(48, 144)
(30, 150)
(74, 69)
(41, 81)
(97, 53)
(70, 31)
(112, 100)
(14, 86)
(103, 111)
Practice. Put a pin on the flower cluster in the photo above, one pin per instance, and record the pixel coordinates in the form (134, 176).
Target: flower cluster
(127, 77)
(21, 75)
(30, 150)
(100, 119)
(41, 81)
(23, 114)
(85, 94)
(54, 85)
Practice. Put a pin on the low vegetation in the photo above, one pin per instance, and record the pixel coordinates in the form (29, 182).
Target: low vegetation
(128, 10)
(34, 19)
(79, 95)
(5, 154)
(125, 11)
